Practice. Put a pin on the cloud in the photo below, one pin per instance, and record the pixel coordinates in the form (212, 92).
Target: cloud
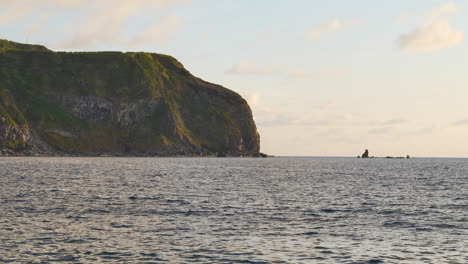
(434, 36)
(394, 131)
(97, 29)
(317, 31)
(381, 130)
(156, 33)
(462, 122)
(90, 4)
(332, 26)
(395, 121)
(105, 21)
(14, 13)
(253, 99)
(267, 117)
(422, 131)
(299, 74)
(66, 3)
(250, 68)
(327, 105)
(16, 10)
(444, 9)
(103, 25)
(330, 73)
(38, 24)
(315, 123)
(403, 17)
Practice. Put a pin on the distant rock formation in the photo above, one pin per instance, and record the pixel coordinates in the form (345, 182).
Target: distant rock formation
(365, 155)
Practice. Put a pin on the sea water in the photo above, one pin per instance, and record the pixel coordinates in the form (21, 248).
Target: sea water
(233, 210)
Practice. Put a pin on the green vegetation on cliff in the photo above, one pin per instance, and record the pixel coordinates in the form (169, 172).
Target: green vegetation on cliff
(10, 45)
(8, 110)
(12, 122)
(140, 103)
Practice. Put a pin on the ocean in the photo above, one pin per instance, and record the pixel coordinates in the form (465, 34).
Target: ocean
(233, 210)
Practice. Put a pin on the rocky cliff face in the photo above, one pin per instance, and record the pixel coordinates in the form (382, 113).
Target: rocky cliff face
(14, 131)
(112, 102)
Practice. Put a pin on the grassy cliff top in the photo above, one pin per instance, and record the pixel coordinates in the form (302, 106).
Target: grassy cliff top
(10, 45)
(102, 73)
(90, 57)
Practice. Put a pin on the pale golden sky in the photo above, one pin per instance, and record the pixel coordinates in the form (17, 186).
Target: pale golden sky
(322, 77)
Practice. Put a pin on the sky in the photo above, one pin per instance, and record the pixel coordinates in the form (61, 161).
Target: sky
(323, 78)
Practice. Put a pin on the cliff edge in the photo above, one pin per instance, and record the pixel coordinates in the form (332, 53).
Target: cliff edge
(118, 103)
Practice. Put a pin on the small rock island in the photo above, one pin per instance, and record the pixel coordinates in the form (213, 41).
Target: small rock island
(365, 155)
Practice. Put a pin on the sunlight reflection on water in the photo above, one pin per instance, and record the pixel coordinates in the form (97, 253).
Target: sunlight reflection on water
(206, 210)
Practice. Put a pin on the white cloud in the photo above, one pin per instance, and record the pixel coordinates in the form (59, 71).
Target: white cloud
(104, 21)
(332, 26)
(299, 74)
(422, 131)
(444, 9)
(433, 36)
(66, 3)
(248, 67)
(327, 105)
(14, 13)
(95, 30)
(267, 117)
(462, 122)
(403, 17)
(317, 31)
(395, 121)
(253, 99)
(330, 73)
(157, 33)
(381, 130)
(38, 24)
(88, 4)
(392, 129)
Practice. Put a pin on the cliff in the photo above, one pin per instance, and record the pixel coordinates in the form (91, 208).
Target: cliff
(118, 103)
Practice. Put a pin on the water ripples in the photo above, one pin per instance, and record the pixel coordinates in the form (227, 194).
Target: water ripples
(194, 210)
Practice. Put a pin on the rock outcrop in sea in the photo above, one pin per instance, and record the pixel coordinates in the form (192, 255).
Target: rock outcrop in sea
(365, 155)
(117, 103)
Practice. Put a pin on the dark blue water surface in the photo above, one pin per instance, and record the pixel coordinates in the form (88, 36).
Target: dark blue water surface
(207, 210)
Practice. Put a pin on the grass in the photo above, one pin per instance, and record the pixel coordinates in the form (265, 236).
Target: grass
(10, 45)
(189, 111)
(9, 113)
(11, 119)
